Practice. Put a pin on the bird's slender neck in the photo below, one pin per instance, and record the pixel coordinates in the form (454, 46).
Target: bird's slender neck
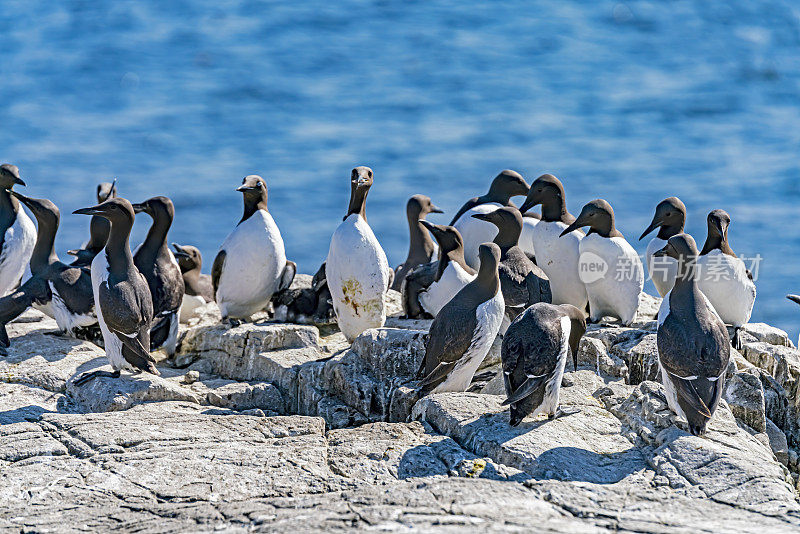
(715, 241)
(554, 208)
(456, 256)
(252, 205)
(8, 204)
(420, 244)
(118, 250)
(668, 230)
(157, 235)
(507, 237)
(358, 202)
(44, 253)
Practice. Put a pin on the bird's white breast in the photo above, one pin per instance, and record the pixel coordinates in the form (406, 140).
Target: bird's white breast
(453, 279)
(113, 345)
(558, 258)
(358, 277)
(475, 232)
(526, 237)
(723, 280)
(616, 292)
(662, 270)
(18, 244)
(254, 261)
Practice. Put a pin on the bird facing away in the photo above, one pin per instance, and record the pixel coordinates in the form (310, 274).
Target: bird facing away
(251, 264)
(357, 271)
(670, 218)
(17, 232)
(464, 330)
(523, 282)
(610, 268)
(534, 353)
(98, 229)
(693, 345)
(122, 297)
(724, 278)
(557, 256)
(190, 261)
(429, 287)
(421, 248)
(155, 261)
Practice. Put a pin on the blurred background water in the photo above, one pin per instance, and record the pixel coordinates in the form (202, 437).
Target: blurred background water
(632, 102)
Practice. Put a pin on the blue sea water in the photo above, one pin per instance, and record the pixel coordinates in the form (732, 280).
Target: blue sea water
(631, 102)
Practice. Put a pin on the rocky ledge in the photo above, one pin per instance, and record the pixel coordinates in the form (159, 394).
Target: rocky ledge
(286, 427)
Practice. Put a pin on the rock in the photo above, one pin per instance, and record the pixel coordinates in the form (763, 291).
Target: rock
(495, 386)
(640, 354)
(777, 442)
(782, 362)
(393, 301)
(593, 354)
(745, 397)
(767, 334)
(247, 396)
(191, 377)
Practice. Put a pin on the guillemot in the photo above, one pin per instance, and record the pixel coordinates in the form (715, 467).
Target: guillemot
(523, 283)
(534, 353)
(356, 270)
(198, 287)
(421, 248)
(693, 345)
(122, 297)
(557, 256)
(724, 278)
(616, 282)
(429, 287)
(670, 218)
(98, 229)
(464, 330)
(17, 232)
(505, 185)
(251, 264)
(158, 265)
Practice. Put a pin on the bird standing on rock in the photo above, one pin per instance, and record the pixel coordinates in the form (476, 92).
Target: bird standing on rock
(356, 270)
(464, 330)
(534, 353)
(98, 229)
(670, 218)
(155, 261)
(251, 264)
(557, 256)
(723, 277)
(198, 287)
(122, 297)
(610, 268)
(421, 247)
(429, 287)
(17, 232)
(505, 185)
(693, 345)
(523, 283)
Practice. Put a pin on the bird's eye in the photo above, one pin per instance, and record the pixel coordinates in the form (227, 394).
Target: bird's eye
(259, 185)
(370, 173)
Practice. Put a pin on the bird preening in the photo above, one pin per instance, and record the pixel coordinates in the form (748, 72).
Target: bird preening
(532, 284)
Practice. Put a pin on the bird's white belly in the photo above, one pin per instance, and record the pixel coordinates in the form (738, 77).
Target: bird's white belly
(723, 280)
(358, 277)
(16, 253)
(57, 309)
(475, 232)
(189, 306)
(616, 292)
(254, 261)
(113, 345)
(526, 237)
(489, 316)
(558, 258)
(453, 279)
(662, 270)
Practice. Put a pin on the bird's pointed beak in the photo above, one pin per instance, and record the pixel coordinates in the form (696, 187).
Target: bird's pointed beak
(138, 207)
(94, 210)
(794, 298)
(179, 251)
(653, 225)
(73, 252)
(245, 188)
(482, 216)
(572, 227)
(436, 209)
(19, 181)
(22, 198)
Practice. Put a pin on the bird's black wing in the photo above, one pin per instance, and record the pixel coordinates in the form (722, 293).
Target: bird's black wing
(417, 281)
(450, 337)
(128, 313)
(12, 305)
(74, 284)
(216, 270)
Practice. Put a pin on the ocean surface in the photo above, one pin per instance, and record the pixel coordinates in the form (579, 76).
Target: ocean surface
(631, 102)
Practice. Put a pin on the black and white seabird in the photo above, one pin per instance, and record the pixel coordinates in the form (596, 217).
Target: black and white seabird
(523, 282)
(429, 287)
(421, 247)
(557, 256)
(198, 287)
(505, 185)
(122, 297)
(68, 298)
(464, 330)
(17, 232)
(693, 346)
(306, 304)
(357, 272)
(251, 264)
(534, 353)
(160, 268)
(670, 218)
(724, 278)
(612, 271)
(98, 229)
